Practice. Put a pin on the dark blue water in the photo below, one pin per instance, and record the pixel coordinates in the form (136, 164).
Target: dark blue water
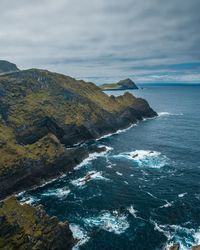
(144, 193)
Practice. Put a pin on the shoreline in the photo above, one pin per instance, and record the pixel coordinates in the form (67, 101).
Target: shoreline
(72, 167)
(119, 131)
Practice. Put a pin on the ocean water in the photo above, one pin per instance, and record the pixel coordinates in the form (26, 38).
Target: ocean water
(144, 192)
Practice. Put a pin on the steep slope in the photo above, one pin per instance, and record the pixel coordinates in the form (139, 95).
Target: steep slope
(24, 227)
(43, 113)
(121, 85)
(6, 67)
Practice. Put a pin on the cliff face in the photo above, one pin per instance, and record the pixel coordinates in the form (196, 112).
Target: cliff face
(25, 227)
(6, 67)
(42, 113)
(121, 85)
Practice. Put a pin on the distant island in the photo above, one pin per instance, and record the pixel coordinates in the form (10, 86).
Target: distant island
(7, 67)
(121, 85)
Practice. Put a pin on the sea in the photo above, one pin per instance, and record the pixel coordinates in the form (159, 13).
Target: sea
(143, 193)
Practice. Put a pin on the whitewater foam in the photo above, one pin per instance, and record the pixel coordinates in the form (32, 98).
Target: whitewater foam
(91, 175)
(109, 221)
(29, 200)
(118, 173)
(160, 114)
(79, 234)
(59, 192)
(119, 131)
(132, 211)
(182, 195)
(93, 156)
(167, 204)
(185, 237)
(145, 158)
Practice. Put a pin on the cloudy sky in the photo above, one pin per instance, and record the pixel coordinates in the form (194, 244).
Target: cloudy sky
(104, 40)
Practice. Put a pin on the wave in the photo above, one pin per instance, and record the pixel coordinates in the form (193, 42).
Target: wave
(145, 158)
(109, 221)
(28, 200)
(79, 234)
(91, 175)
(160, 114)
(153, 196)
(185, 237)
(59, 192)
(182, 195)
(93, 156)
(132, 211)
(167, 204)
(119, 131)
(118, 173)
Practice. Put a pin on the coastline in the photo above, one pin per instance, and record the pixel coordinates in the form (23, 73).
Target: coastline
(82, 150)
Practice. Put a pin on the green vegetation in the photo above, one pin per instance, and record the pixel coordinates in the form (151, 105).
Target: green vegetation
(37, 105)
(25, 227)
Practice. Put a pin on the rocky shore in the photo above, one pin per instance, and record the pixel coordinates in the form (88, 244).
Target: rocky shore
(25, 227)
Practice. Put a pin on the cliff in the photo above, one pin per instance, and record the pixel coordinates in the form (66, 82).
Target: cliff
(42, 114)
(121, 85)
(6, 67)
(24, 227)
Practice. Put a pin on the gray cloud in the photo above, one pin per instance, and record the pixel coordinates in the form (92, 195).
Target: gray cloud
(104, 40)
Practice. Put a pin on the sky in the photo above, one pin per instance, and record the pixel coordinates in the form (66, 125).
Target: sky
(104, 40)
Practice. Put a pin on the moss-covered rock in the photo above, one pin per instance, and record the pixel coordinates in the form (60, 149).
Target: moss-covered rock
(26, 227)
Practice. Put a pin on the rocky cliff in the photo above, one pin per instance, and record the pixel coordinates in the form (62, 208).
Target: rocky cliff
(24, 227)
(43, 114)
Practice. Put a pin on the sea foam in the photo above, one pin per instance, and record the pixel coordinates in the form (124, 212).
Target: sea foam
(91, 175)
(185, 237)
(93, 156)
(109, 221)
(79, 234)
(145, 158)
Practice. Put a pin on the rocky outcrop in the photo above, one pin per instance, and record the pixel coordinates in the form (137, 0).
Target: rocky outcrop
(6, 67)
(24, 227)
(121, 85)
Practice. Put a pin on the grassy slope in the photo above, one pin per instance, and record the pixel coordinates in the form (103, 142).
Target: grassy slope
(33, 94)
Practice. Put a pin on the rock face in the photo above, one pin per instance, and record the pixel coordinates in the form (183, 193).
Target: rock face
(6, 67)
(44, 113)
(24, 227)
(121, 85)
